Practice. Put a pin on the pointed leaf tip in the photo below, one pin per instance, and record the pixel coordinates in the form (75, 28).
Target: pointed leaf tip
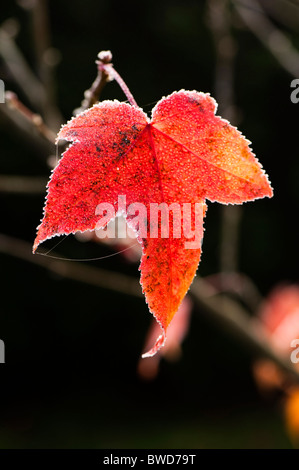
(158, 345)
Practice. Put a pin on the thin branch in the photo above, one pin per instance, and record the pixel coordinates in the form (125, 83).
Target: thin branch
(225, 46)
(76, 271)
(41, 38)
(237, 284)
(229, 247)
(283, 11)
(42, 46)
(39, 96)
(92, 95)
(106, 73)
(225, 313)
(255, 18)
(36, 120)
(20, 70)
(15, 124)
(222, 310)
(22, 184)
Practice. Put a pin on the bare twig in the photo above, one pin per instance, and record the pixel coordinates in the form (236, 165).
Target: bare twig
(39, 93)
(15, 124)
(284, 11)
(106, 73)
(222, 310)
(22, 184)
(237, 284)
(36, 120)
(255, 18)
(92, 95)
(42, 45)
(76, 271)
(220, 25)
(225, 49)
(225, 313)
(20, 70)
(41, 39)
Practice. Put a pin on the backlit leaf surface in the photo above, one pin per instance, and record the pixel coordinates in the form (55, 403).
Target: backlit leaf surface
(183, 155)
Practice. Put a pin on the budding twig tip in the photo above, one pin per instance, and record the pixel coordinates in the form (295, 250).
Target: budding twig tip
(105, 56)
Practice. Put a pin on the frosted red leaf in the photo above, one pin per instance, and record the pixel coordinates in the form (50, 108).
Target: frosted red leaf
(184, 155)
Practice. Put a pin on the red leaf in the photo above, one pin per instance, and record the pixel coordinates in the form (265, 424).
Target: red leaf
(184, 155)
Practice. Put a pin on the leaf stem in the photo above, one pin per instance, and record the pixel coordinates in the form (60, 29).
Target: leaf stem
(104, 65)
(92, 95)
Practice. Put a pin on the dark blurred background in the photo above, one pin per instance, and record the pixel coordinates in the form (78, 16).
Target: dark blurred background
(72, 349)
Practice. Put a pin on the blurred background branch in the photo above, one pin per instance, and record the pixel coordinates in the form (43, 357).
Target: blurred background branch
(213, 375)
(219, 20)
(222, 310)
(277, 42)
(22, 184)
